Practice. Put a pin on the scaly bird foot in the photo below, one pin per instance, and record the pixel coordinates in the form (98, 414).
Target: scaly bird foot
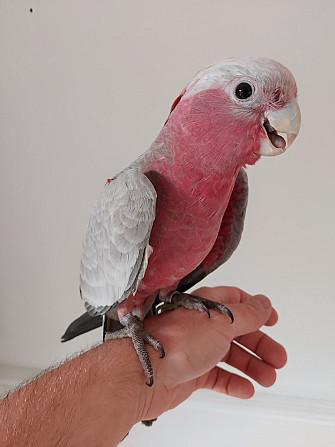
(177, 299)
(133, 328)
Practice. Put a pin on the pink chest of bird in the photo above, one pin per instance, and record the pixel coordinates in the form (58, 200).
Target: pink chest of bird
(193, 166)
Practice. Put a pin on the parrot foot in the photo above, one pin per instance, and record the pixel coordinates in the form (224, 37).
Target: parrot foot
(177, 299)
(133, 328)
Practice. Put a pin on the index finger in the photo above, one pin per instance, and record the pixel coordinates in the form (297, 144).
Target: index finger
(232, 295)
(250, 315)
(223, 294)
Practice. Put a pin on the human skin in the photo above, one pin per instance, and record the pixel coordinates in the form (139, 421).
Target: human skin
(96, 397)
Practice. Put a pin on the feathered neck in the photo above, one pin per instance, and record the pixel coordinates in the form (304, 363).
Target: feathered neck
(204, 137)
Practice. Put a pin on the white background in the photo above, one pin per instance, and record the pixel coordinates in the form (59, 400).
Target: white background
(85, 88)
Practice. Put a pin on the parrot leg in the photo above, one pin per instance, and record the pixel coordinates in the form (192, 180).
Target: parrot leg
(177, 299)
(133, 328)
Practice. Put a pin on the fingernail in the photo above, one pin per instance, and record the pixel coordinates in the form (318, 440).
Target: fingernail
(261, 301)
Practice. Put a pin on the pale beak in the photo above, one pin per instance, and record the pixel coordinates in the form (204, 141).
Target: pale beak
(282, 127)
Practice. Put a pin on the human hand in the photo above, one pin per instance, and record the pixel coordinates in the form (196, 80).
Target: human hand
(194, 345)
(106, 384)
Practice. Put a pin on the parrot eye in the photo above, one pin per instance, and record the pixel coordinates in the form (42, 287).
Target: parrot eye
(243, 91)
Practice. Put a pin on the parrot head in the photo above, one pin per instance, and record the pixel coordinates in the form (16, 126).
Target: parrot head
(248, 106)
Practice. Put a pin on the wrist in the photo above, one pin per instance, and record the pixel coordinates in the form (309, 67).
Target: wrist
(119, 388)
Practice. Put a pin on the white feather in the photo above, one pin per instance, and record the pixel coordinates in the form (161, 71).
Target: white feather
(223, 74)
(116, 247)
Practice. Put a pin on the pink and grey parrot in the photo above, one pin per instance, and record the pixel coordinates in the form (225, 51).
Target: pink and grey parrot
(177, 212)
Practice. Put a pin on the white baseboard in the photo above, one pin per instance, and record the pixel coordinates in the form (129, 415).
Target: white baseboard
(275, 406)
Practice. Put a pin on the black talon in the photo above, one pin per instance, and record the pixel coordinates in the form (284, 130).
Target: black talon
(151, 381)
(177, 299)
(162, 352)
(230, 315)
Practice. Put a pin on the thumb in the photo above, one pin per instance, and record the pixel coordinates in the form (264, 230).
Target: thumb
(250, 315)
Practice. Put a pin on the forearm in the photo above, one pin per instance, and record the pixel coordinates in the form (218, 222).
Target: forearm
(93, 399)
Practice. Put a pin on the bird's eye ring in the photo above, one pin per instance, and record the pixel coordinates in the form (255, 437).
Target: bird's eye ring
(243, 90)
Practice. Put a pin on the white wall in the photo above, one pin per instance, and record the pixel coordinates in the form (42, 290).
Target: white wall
(85, 87)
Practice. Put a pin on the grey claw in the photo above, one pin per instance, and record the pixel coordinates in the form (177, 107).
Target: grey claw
(162, 352)
(151, 381)
(230, 315)
(203, 308)
(196, 302)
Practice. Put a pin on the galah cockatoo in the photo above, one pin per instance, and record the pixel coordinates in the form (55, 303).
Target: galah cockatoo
(177, 212)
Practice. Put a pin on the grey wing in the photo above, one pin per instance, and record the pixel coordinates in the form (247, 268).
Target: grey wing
(116, 247)
(228, 237)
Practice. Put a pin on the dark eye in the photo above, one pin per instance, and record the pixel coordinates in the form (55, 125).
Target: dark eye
(243, 90)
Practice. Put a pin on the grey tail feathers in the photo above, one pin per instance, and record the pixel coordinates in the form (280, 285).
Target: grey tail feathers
(82, 324)
(87, 322)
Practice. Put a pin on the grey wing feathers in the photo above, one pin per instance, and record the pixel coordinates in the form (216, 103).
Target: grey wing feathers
(116, 248)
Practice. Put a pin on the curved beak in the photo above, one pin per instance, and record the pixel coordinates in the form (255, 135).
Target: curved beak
(282, 127)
